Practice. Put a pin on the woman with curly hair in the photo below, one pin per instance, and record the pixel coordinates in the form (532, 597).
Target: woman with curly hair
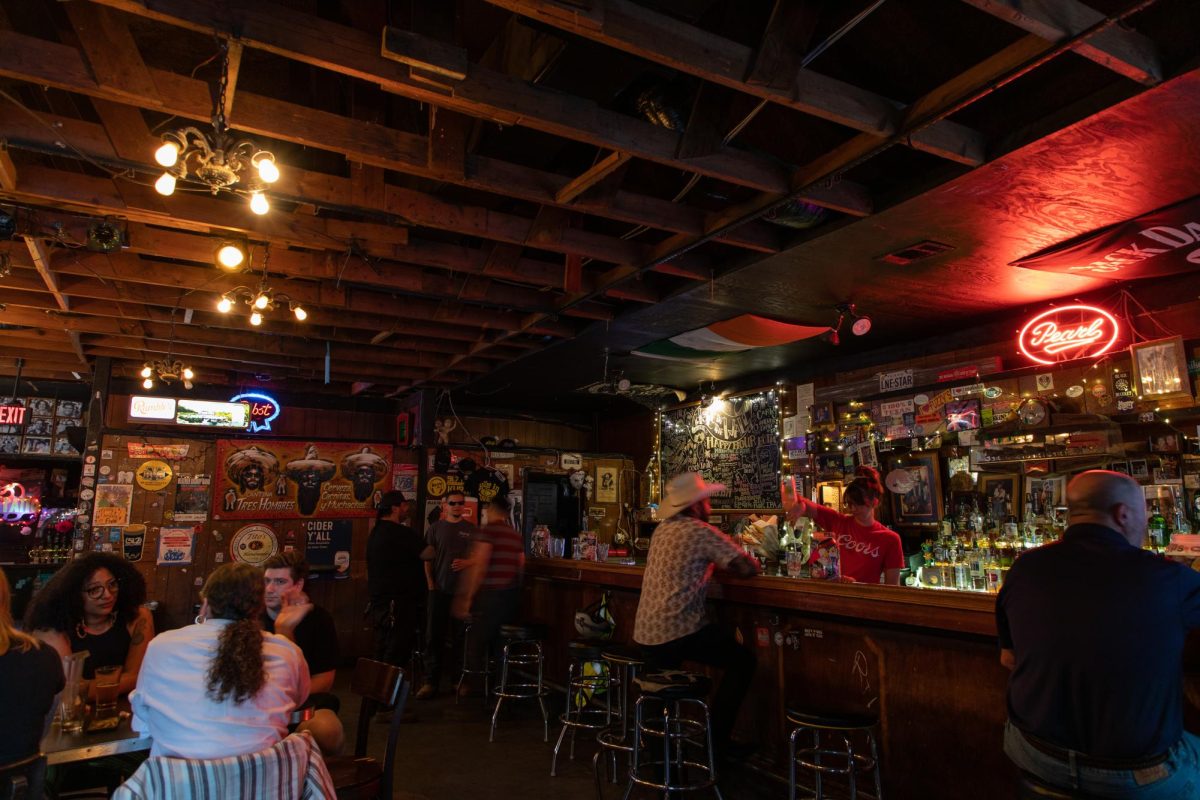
(94, 603)
(222, 687)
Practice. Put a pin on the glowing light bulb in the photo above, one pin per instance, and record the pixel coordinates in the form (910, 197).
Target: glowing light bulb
(259, 204)
(188, 374)
(146, 373)
(230, 256)
(167, 155)
(256, 319)
(267, 170)
(165, 185)
(224, 305)
(300, 313)
(262, 301)
(148, 384)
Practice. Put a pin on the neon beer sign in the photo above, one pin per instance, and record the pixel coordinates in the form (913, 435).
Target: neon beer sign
(1066, 333)
(263, 409)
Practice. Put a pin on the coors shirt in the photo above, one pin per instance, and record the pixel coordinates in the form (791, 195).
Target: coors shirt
(865, 552)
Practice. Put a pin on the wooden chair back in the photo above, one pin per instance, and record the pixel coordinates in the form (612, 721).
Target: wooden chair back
(379, 685)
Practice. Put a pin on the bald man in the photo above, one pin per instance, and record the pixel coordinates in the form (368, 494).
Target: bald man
(1093, 629)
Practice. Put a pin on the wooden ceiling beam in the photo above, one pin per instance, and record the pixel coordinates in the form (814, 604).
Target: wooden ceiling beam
(482, 92)
(593, 175)
(50, 64)
(626, 26)
(112, 54)
(1125, 52)
(8, 170)
(39, 253)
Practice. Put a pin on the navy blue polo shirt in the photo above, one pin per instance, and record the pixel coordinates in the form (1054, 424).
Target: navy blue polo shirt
(1097, 627)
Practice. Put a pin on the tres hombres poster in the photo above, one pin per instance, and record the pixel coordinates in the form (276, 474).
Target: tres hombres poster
(267, 479)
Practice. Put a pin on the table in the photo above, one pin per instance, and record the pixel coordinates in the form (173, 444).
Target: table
(65, 748)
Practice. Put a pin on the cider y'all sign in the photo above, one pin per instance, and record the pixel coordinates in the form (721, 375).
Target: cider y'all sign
(1069, 332)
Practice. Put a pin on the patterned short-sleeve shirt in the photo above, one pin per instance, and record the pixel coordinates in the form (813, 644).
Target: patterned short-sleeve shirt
(683, 552)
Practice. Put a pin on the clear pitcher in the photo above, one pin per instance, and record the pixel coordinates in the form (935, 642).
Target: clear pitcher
(73, 698)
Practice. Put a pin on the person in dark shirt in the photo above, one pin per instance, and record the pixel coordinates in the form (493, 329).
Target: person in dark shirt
(489, 592)
(31, 674)
(291, 614)
(447, 543)
(1093, 629)
(395, 579)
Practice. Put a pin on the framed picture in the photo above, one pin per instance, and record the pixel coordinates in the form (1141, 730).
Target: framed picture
(69, 408)
(1167, 470)
(10, 444)
(1160, 369)
(1001, 495)
(36, 444)
(41, 406)
(40, 426)
(829, 494)
(1164, 443)
(1139, 469)
(923, 502)
(822, 416)
(961, 415)
(1046, 494)
(1120, 466)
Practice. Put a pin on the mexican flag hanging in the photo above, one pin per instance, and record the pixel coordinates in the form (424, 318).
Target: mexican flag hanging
(730, 336)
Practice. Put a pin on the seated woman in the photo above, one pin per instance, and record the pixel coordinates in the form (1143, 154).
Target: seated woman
(31, 675)
(222, 687)
(94, 603)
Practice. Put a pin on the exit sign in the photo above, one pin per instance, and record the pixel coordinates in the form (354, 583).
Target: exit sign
(12, 415)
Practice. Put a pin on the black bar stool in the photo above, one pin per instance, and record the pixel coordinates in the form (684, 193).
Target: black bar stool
(623, 664)
(522, 648)
(470, 671)
(852, 763)
(670, 693)
(582, 688)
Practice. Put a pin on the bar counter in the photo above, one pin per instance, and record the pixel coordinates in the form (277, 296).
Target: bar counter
(926, 660)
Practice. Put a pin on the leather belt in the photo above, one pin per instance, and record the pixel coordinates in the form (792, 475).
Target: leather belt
(1084, 760)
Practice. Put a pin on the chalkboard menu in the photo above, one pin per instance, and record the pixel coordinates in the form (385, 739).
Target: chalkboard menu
(734, 441)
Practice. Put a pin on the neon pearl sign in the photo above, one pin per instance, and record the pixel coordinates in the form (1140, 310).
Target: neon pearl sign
(1068, 332)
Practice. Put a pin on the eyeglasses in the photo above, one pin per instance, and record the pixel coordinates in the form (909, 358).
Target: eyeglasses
(97, 591)
(456, 502)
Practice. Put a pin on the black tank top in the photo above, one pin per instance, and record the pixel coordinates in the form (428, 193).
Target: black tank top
(106, 650)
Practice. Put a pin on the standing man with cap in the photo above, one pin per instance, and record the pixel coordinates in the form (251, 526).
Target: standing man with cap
(671, 623)
(1093, 629)
(395, 579)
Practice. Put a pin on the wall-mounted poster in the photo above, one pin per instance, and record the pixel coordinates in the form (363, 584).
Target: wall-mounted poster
(734, 441)
(923, 500)
(404, 479)
(606, 484)
(268, 479)
(192, 498)
(327, 546)
(112, 505)
(175, 546)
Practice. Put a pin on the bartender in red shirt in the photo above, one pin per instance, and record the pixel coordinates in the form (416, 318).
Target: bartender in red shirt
(866, 547)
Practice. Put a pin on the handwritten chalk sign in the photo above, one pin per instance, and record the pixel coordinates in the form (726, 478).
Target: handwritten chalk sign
(734, 441)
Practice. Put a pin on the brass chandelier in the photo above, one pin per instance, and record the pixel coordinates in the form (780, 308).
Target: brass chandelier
(221, 161)
(166, 371)
(261, 299)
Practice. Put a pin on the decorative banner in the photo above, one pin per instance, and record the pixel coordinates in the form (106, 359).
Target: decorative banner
(327, 546)
(173, 452)
(133, 542)
(153, 475)
(254, 544)
(729, 336)
(192, 498)
(175, 546)
(286, 479)
(264, 409)
(1163, 242)
(112, 505)
(1069, 332)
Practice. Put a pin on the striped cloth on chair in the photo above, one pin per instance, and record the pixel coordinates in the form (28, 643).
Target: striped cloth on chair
(293, 768)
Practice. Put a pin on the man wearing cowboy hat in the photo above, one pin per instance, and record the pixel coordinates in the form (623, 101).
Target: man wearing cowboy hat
(671, 622)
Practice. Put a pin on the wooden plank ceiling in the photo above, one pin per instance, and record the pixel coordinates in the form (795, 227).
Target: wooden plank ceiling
(468, 183)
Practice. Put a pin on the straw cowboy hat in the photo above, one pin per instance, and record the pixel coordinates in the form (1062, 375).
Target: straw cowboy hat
(685, 489)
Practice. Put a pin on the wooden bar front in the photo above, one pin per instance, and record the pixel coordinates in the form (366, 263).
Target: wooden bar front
(926, 660)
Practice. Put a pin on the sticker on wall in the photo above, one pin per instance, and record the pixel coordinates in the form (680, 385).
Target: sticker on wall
(105, 470)
(86, 494)
(218, 557)
(435, 486)
(89, 469)
(254, 544)
(191, 498)
(133, 542)
(112, 505)
(1045, 381)
(572, 461)
(125, 476)
(175, 546)
(154, 475)
(105, 455)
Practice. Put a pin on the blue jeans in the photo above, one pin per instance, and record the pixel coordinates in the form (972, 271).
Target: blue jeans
(1177, 778)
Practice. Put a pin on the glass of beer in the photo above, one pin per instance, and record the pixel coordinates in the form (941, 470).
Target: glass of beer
(107, 686)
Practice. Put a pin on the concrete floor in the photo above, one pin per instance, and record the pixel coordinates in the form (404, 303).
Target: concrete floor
(444, 754)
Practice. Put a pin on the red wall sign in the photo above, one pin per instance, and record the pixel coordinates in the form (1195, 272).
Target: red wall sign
(1066, 333)
(12, 415)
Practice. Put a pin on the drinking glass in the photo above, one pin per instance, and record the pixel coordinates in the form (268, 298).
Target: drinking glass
(795, 563)
(557, 547)
(107, 685)
(602, 551)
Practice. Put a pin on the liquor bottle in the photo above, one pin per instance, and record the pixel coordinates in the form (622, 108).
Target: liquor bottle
(1157, 529)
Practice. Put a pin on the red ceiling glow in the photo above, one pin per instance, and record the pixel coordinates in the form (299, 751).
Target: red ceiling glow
(1066, 333)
